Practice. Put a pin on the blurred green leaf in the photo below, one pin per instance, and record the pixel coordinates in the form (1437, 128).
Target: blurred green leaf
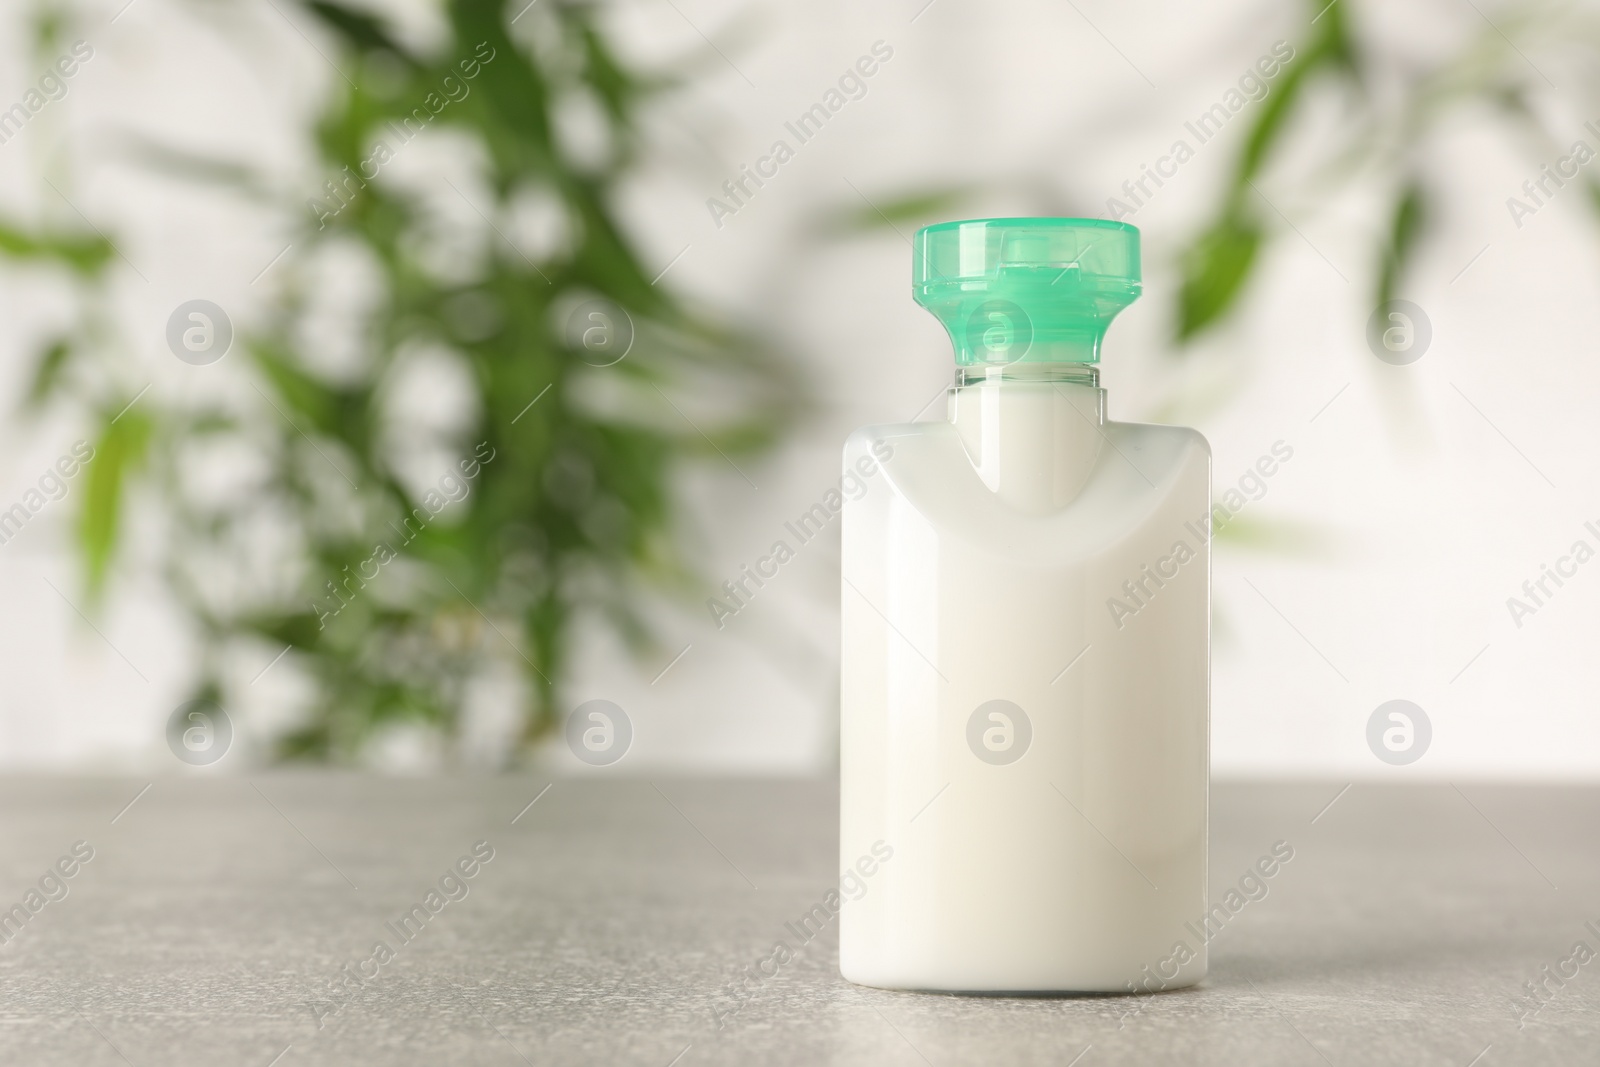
(1214, 271)
(907, 210)
(84, 254)
(1333, 43)
(1591, 191)
(176, 162)
(1405, 226)
(120, 450)
(47, 372)
(359, 29)
(1270, 535)
(1219, 262)
(1270, 122)
(297, 630)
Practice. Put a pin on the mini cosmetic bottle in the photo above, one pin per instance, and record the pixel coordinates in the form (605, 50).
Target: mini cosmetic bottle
(1026, 646)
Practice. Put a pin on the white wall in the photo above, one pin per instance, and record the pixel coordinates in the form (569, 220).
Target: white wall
(1434, 490)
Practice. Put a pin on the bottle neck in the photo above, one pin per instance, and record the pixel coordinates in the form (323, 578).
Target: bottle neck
(1084, 374)
(1032, 431)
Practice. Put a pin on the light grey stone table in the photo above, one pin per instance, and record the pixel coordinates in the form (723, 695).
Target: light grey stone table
(616, 916)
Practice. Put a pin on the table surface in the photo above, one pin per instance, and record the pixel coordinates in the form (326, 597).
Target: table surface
(616, 916)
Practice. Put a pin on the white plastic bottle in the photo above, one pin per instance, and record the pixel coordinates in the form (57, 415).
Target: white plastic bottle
(1026, 646)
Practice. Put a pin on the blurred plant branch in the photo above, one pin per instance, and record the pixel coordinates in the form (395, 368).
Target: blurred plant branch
(1385, 144)
(569, 507)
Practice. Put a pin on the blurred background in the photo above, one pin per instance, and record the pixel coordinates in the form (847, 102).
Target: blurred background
(393, 378)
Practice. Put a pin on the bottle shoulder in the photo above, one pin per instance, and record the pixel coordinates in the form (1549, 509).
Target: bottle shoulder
(866, 439)
(1143, 473)
(1186, 434)
(862, 438)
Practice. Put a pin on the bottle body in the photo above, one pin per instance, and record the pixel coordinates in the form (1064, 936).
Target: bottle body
(1025, 697)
